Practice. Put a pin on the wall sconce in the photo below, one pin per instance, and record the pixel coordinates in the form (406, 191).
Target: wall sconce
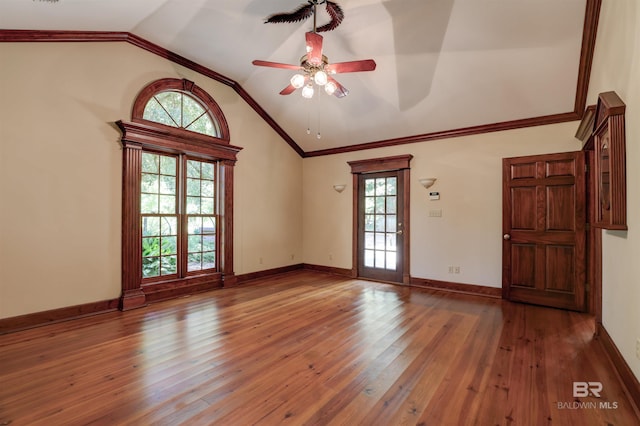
(339, 188)
(427, 182)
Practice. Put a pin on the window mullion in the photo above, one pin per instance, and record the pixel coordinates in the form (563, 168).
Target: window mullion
(182, 191)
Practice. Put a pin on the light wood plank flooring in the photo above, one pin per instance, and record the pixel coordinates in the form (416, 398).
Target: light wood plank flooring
(312, 348)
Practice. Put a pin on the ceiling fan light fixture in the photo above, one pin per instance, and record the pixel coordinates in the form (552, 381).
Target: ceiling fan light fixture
(297, 81)
(307, 91)
(330, 88)
(320, 77)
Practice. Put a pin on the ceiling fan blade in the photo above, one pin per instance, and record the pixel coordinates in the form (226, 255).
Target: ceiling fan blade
(341, 91)
(351, 66)
(314, 48)
(260, 63)
(288, 90)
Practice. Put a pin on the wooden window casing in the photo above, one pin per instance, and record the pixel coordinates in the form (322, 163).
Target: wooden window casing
(140, 135)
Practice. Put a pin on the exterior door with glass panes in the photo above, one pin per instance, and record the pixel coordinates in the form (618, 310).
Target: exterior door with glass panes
(380, 227)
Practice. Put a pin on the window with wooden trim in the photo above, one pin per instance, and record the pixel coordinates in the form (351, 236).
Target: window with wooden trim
(177, 194)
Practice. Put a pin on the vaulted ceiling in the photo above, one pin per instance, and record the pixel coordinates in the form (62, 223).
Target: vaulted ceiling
(444, 67)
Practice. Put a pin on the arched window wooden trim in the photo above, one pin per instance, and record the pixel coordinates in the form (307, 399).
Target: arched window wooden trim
(185, 86)
(141, 135)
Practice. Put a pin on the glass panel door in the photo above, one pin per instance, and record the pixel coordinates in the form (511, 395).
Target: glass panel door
(380, 229)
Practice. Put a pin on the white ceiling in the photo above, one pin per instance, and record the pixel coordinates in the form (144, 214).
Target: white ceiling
(442, 64)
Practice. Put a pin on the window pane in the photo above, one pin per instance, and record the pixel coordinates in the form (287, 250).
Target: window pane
(369, 240)
(149, 183)
(204, 125)
(154, 112)
(195, 243)
(391, 242)
(369, 187)
(172, 103)
(150, 226)
(392, 184)
(169, 265)
(391, 223)
(168, 165)
(195, 224)
(193, 205)
(169, 225)
(380, 258)
(191, 110)
(380, 206)
(207, 171)
(391, 260)
(167, 185)
(151, 246)
(149, 204)
(369, 205)
(368, 258)
(381, 186)
(169, 245)
(208, 243)
(150, 162)
(380, 222)
(208, 260)
(391, 204)
(150, 267)
(369, 222)
(194, 262)
(207, 188)
(209, 225)
(206, 205)
(193, 169)
(167, 204)
(193, 187)
(379, 241)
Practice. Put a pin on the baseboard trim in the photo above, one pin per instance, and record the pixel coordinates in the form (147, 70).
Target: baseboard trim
(37, 319)
(243, 278)
(471, 289)
(628, 379)
(328, 269)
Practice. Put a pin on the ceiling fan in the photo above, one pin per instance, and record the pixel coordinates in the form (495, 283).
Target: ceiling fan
(314, 66)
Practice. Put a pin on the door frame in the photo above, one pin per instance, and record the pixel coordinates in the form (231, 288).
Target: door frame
(400, 163)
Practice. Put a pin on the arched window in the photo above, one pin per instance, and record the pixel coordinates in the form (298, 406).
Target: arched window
(177, 194)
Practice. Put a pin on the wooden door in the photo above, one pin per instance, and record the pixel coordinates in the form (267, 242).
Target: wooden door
(544, 216)
(381, 226)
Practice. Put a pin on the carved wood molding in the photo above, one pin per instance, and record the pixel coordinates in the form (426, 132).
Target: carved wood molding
(383, 164)
(175, 140)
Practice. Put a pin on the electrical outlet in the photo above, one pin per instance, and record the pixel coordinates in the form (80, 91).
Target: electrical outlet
(456, 270)
(638, 348)
(330, 256)
(260, 260)
(451, 269)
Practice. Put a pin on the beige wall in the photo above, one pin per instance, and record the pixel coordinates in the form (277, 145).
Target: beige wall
(469, 173)
(61, 166)
(617, 67)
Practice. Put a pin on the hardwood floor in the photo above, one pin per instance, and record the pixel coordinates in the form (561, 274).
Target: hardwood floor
(311, 348)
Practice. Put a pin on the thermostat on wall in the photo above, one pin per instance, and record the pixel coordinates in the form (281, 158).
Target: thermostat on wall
(434, 195)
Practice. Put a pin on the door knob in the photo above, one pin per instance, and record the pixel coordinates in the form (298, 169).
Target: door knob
(506, 237)
(399, 232)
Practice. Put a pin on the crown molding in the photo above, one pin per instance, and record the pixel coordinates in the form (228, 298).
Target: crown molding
(590, 27)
